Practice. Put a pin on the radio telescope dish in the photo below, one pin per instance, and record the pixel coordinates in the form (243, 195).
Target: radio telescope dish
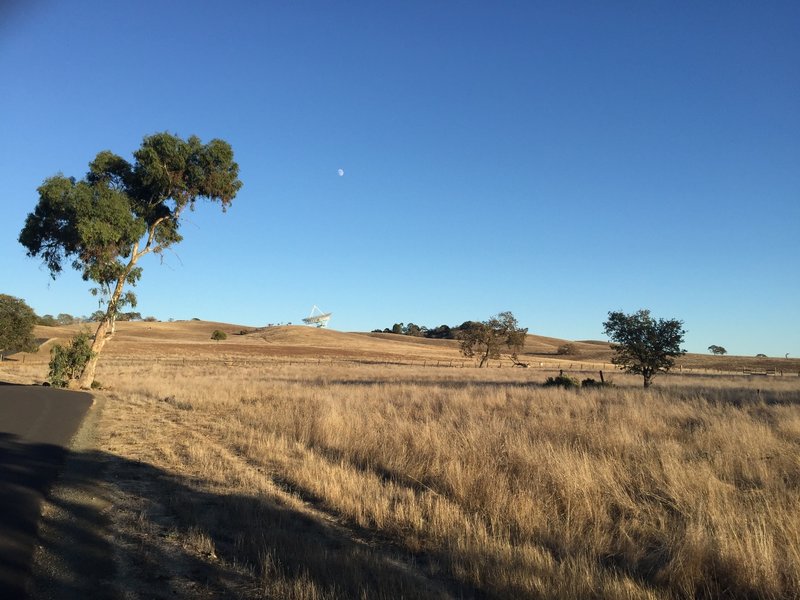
(320, 319)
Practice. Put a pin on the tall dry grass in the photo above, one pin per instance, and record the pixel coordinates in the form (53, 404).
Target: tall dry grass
(492, 485)
(514, 490)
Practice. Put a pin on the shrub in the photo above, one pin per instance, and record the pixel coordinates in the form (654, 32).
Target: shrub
(562, 380)
(67, 363)
(219, 335)
(567, 349)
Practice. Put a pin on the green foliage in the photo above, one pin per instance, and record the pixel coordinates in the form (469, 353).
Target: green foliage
(413, 329)
(218, 335)
(46, 320)
(129, 316)
(442, 332)
(761, 356)
(96, 224)
(486, 338)
(17, 320)
(717, 350)
(564, 381)
(644, 345)
(67, 362)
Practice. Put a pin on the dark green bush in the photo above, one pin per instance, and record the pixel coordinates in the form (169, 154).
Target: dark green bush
(219, 335)
(67, 362)
(562, 380)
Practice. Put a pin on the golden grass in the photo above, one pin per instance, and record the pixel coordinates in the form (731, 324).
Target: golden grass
(507, 488)
(346, 480)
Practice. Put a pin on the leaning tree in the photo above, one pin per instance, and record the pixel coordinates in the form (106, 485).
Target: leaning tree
(486, 338)
(644, 345)
(104, 223)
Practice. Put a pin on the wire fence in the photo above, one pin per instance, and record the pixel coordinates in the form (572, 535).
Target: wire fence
(249, 361)
(541, 365)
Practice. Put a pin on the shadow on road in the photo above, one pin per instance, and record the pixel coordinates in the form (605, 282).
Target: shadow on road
(183, 541)
(26, 470)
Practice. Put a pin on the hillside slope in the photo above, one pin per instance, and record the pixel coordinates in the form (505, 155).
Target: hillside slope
(188, 339)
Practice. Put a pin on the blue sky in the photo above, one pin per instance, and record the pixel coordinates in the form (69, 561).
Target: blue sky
(558, 160)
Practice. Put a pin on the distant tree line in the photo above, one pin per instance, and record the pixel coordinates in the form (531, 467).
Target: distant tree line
(442, 332)
(481, 339)
(68, 319)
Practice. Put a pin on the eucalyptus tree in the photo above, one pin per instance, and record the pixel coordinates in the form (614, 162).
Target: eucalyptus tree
(486, 338)
(103, 224)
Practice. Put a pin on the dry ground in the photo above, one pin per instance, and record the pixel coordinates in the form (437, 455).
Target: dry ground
(284, 463)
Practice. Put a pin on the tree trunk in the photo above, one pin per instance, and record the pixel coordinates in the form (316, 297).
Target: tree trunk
(648, 379)
(87, 376)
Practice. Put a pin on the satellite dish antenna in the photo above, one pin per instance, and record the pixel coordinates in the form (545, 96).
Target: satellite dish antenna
(320, 319)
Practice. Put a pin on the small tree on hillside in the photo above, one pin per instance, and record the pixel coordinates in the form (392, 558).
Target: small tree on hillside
(219, 335)
(644, 345)
(46, 320)
(485, 339)
(17, 320)
(717, 350)
(65, 319)
(105, 223)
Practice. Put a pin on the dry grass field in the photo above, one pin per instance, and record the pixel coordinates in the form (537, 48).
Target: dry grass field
(300, 463)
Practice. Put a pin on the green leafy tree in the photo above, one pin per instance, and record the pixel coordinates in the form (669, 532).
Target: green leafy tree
(46, 320)
(440, 332)
(717, 350)
(119, 212)
(218, 335)
(413, 329)
(644, 345)
(485, 339)
(65, 319)
(17, 320)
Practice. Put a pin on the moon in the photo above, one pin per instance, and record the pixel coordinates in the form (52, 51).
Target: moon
(340, 172)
